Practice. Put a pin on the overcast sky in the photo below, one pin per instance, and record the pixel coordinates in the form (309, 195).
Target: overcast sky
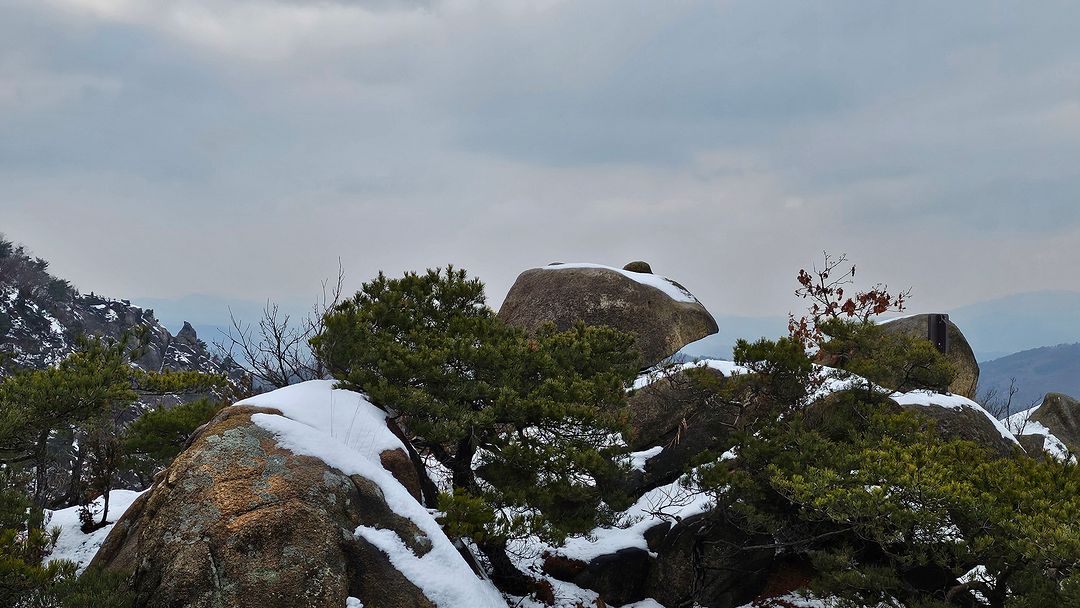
(240, 147)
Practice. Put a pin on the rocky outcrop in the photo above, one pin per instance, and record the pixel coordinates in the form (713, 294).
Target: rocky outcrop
(702, 562)
(620, 578)
(681, 414)
(1060, 414)
(952, 417)
(236, 520)
(41, 317)
(959, 354)
(661, 313)
(968, 423)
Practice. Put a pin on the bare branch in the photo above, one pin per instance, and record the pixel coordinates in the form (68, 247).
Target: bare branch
(276, 350)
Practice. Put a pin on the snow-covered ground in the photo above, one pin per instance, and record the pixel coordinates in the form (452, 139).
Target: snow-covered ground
(80, 548)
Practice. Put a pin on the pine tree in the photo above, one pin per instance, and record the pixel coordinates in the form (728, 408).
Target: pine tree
(83, 398)
(524, 423)
(159, 435)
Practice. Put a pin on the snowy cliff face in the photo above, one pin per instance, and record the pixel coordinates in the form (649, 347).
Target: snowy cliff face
(41, 317)
(39, 330)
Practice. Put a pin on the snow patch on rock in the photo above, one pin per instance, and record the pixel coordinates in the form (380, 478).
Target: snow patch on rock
(1022, 424)
(638, 459)
(669, 287)
(727, 368)
(347, 432)
(672, 502)
(345, 416)
(929, 398)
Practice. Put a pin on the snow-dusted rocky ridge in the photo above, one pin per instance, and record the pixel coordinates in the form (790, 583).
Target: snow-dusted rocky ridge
(293, 498)
(343, 430)
(39, 326)
(41, 316)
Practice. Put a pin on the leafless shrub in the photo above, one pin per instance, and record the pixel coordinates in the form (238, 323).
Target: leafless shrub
(276, 351)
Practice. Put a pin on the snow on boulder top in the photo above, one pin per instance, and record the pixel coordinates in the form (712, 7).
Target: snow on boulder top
(661, 313)
(1055, 419)
(727, 368)
(671, 288)
(956, 402)
(345, 416)
(344, 430)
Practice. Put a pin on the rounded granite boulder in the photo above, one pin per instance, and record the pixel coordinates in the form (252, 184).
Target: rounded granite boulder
(661, 313)
(959, 354)
(236, 520)
(1060, 414)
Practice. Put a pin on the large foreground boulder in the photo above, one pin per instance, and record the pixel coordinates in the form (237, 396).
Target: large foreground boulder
(243, 518)
(959, 354)
(239, 521)
(663, 314)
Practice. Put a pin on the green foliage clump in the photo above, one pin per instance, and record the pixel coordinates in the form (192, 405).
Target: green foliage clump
(31, 275)
(84, 398)
(94, 588)
(159, 435)
(93, 379)
(23, 544)
(895, 361)
(886, 509)
(534, 415)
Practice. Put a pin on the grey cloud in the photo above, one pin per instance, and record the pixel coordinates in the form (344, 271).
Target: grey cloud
(728, 143)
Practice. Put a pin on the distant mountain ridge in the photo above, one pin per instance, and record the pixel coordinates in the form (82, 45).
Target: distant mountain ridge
(41, 317)
(994, 328)
(1049, 369)
(1011, 324)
